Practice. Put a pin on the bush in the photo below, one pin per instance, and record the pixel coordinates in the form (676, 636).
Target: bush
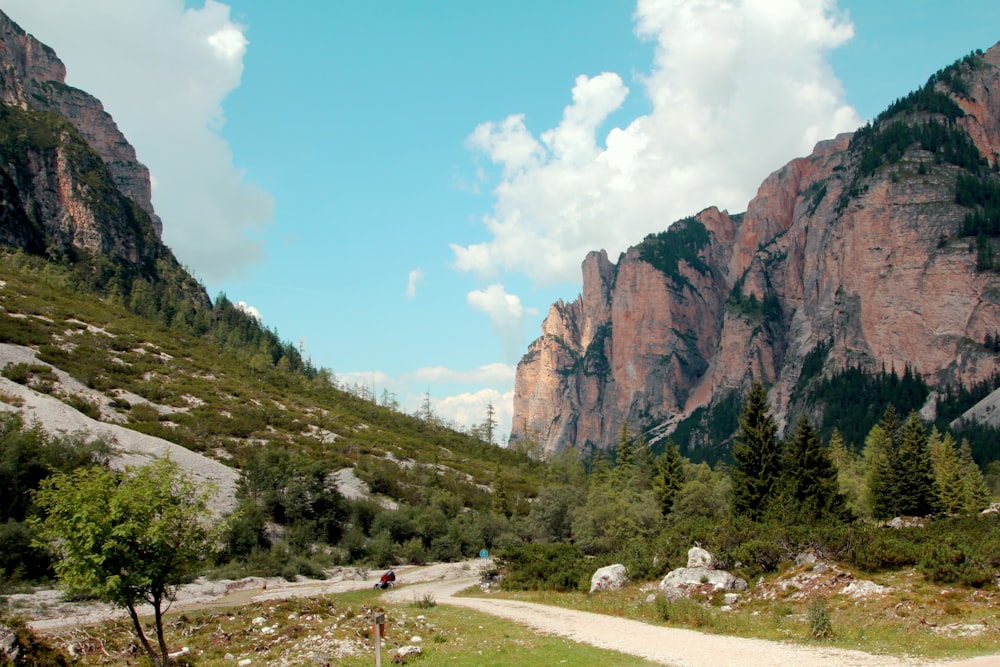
(551, 567)
(883, 549)
(820, 625)
(757, 556)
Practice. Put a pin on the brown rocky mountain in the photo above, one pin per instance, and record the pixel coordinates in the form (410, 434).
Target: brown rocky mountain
(70, 183)
(859, 255)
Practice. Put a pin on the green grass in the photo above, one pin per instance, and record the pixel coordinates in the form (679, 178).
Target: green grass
(917, 618)
(301, 631)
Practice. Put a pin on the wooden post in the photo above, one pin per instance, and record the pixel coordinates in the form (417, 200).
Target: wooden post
(379, 630)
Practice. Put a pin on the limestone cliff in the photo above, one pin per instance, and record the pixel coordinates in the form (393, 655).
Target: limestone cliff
(33, 88)
(859, 251)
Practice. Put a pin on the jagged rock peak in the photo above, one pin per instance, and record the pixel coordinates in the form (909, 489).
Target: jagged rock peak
(32, 76)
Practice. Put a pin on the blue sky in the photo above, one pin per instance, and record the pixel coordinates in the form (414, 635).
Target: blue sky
(405, 187)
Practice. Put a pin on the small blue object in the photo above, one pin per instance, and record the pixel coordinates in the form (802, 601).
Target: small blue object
(484, 553)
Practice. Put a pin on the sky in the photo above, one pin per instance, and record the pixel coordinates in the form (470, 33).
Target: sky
(404, 188)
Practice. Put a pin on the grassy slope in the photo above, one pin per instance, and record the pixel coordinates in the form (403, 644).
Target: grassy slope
(187, 390)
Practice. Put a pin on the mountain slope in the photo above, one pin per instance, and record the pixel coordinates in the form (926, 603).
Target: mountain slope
(859, 255)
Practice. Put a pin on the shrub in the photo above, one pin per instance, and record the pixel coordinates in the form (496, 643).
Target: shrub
(533, 567)
(820, 625)
(883, 549)
(757, 556)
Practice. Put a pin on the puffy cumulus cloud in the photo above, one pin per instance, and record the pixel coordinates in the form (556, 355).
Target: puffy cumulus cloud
(162, 71)
(243, 306)
(507, 316)
(470, 410)
(737, 88)
(413, 281)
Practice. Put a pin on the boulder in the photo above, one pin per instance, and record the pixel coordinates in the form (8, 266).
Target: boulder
(609, 578)
(698, 557)
(683, 580)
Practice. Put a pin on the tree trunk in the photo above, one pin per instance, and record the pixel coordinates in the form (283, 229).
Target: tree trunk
(157, 660)
(158, 616)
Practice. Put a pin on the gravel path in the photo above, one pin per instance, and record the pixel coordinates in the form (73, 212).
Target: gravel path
(666, 646)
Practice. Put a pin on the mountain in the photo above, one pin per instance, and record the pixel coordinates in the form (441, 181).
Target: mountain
(104, 334)
(875, 254)
(71, 187)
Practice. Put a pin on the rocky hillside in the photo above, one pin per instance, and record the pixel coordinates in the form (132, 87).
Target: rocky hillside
(877, 251)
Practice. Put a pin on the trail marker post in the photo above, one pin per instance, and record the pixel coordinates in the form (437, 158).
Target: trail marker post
(379, 631)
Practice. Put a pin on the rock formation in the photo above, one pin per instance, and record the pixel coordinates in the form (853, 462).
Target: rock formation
(852, 254)
(57, 185)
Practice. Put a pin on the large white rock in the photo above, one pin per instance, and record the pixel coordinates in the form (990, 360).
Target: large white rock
(698, 557)
(609, 578)
(677, 583)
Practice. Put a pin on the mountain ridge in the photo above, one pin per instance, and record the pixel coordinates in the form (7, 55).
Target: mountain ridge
(857, 246)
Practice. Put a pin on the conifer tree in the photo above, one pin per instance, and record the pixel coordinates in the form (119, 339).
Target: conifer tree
(757, 453)
(918, 491)
(669, 477)
(951, 486)
(625, 453)
(880, 455)
(976, 495)
(904, 483)
(809, 490)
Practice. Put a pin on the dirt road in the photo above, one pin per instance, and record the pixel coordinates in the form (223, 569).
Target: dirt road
(666, 646)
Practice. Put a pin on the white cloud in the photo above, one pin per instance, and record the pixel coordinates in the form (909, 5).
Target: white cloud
(465, 409)
(737, 88)
(470, 409)
(489, 374)
(507, 316)
(163, 71)
(413, 281)
(249, 310)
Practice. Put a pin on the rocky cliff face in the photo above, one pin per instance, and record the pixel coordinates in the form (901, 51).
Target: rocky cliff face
(32, 78)
(854, 251)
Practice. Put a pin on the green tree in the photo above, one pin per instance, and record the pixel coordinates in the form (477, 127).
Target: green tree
(951, 486)
(976, 494)
(757, 453)
(809, 490)
(125, 538)
(903, 483)
(625, 451)
(669, 477)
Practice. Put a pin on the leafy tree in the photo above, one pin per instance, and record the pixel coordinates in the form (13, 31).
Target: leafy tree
(551, 515)
(809, 490)
(850, 473)
(669, 477)
(126, 538)
(705, 493)
(757, 453)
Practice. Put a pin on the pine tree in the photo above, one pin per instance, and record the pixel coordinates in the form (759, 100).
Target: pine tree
(881, 454)
(669, 477)
(910, 473)
(757, 453)
(809, 490)
(976, 495)
(625, 453)
(951, 486)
